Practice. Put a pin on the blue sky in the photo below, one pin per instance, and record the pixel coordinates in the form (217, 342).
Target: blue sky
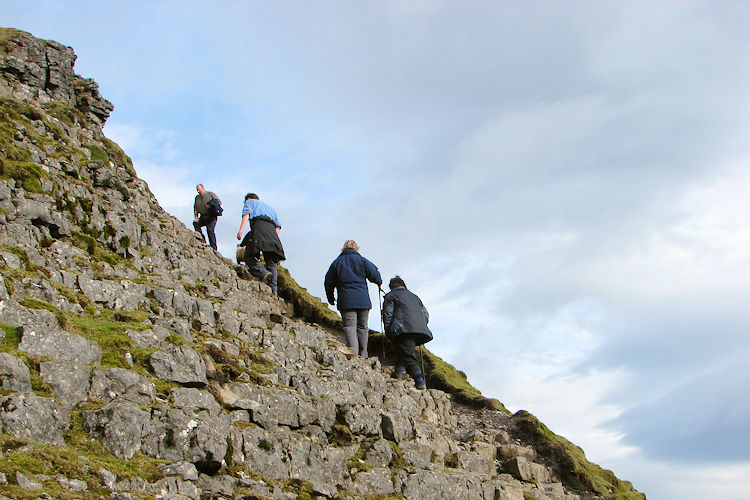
(565, 184)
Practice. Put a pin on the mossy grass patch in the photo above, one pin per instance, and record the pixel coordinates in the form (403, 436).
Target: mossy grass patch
(444, 376)
(306, 305)
(25, 173)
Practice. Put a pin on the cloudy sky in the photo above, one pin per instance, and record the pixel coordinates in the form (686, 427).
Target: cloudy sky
(565, 184)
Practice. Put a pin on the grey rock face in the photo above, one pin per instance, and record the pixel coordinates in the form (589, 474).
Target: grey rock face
(43, 70)
(13, 314)
(69, 380)
(14, 374)
(185, 470)
(179, 364)
(106, 385)
(524, 470)
(60, 344)
(195, 399)
(27, 416)
(120, 426)
(146, 339)
(181, 435)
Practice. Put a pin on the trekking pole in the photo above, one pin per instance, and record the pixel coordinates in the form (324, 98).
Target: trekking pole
(421, 362)
(380, 310)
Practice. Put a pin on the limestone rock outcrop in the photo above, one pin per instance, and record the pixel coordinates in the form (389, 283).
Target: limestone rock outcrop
(135, 362)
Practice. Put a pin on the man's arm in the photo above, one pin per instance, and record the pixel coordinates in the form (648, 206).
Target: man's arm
(245, 218)
(372, 273)
(329, 284)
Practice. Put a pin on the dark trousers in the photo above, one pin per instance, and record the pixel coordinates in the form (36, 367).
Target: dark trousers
(210, 222)
(259, 270)
(406, 354)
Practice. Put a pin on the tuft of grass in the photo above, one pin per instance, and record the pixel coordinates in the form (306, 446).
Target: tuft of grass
(21, 253)
(98, 154)
(92, 246)
(11, 339)
(26, 173)
(65, 113)
(31, 303)
(79, 459)
(446, 377)
(118, 156)
(305, 305)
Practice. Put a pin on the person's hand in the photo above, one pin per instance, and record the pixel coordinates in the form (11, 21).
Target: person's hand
(239, 235)
(195, 220)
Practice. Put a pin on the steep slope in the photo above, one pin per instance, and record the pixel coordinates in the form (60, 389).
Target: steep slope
(135, 362)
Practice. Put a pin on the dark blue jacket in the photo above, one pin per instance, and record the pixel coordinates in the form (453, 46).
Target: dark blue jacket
(348, 274)
(403, 312)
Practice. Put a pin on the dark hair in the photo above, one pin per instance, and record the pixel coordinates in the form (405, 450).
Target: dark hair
(396, 281)
(251, 196)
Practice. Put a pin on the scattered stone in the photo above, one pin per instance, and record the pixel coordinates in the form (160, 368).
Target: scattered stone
(28, 416)
(185, 470)
(179, 364)
(120, 426)
(109, 384)
(14, 374)
(72, 484)
(69, 380)
(26, 483)
(59, 344)
(186, 397)
(108, 477)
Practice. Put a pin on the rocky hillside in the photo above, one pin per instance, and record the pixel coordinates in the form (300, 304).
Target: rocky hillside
(135, 362)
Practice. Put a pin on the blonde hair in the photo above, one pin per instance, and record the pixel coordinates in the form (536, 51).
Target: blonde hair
(350, 245)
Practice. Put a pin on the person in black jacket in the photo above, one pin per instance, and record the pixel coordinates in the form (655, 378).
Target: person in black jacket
(405, 319)
(348, 274)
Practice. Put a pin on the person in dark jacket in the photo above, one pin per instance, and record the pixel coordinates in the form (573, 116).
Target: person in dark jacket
(405, 320)
(348, 274)
(265, 227)
(204, 210)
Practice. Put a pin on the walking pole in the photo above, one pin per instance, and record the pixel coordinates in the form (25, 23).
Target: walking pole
(380, 310)
(421, 362)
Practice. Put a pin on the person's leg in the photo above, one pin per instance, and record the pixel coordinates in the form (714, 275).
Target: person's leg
(197, 226)
(254, 265)
(210, 231)
(408, 355)
(271, 267)
(363, 331)
(399, 370)
(349, 318)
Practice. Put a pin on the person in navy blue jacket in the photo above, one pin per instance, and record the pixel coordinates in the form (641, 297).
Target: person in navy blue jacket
(348, 275)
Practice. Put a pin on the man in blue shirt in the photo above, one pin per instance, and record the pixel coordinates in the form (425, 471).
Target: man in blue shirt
(265, 227)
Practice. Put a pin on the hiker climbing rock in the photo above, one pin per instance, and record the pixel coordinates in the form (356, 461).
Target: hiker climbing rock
(206, 209)
(265, 227)
(348, 274)
(405, 320)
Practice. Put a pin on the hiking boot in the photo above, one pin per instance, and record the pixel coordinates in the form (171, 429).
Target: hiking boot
(399, 372)
(419, 383)
(267, 278)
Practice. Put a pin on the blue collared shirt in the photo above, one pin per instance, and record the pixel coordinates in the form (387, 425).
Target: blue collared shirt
(256, 208)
